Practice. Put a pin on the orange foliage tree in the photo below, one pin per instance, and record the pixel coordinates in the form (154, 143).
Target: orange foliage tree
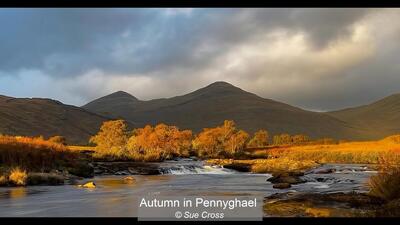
(300, 139)
(160, 142)
(282, 139)
(287, 139)
(220, 141)
(111, 139)
(259, 140)
(58, 139)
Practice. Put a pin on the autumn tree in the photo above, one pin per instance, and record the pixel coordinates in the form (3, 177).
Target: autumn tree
(260, 139)
(161, 141)
(208, 142)
(220, 141)
(300, 139)
(235, 143)
(58, 140)
(282, 139)
(111, 139)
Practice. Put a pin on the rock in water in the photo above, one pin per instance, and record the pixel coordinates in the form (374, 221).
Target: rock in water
(287, 177)
(241, 167)
(325, 171)
(88, 185)
(282, 185)
(129, 179)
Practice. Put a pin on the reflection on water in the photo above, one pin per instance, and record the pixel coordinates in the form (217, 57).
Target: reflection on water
(116, 183)
(18, 192)
(157, 178)
(116, 196)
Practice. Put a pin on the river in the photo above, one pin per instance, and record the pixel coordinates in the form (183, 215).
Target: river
(115, 197)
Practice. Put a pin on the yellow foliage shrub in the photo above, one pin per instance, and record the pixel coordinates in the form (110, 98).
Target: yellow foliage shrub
(386, 184)
(18, 177)
(3, 180)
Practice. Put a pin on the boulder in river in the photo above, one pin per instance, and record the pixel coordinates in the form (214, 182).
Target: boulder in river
(241, 167)
(287, 177)
(129, 179)
(88, 185)
(282, 185)
(126, 168)
(325, 171)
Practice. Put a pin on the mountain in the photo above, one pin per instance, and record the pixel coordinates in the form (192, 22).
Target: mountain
(37, 116)
(377, 120)
(211, 105)
(117, 104)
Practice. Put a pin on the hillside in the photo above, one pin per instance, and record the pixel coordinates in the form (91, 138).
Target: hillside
(377, 120)
(114, 105)
(211, 105)
(36, 116)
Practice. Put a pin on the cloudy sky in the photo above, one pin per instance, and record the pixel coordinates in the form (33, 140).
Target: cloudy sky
(319, 59)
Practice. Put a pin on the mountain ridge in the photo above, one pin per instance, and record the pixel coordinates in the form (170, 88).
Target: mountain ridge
(47, 117)
(205, 107)
(210, 105)
(381, 116)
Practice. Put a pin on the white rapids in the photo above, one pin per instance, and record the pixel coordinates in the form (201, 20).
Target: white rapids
(192, 167)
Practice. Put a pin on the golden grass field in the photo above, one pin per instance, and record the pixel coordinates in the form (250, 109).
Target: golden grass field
(368, 152)
(81, 148)
(292, 158)
(33, 160)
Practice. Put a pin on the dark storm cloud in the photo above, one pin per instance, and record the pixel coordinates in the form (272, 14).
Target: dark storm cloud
(62, 41)
(72, 41)
(322, 25)
(312, 58)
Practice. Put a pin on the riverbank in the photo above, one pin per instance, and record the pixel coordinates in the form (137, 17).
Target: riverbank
(350, 204)
(341, 204)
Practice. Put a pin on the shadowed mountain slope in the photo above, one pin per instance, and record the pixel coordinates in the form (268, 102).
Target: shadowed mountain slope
(37, 116)
(377, 120)
(211, 105)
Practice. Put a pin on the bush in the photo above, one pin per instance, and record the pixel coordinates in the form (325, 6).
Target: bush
(3, 180)
(18, 177)
(36, 155)
(58, 140)
(386, 184)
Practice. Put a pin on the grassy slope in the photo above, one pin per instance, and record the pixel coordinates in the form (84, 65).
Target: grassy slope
(34, 117)
(211, 105)
(376, 120)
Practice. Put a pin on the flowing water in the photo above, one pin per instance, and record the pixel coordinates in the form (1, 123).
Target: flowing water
(115, 197)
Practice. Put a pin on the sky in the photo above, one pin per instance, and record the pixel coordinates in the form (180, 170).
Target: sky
(316, 59)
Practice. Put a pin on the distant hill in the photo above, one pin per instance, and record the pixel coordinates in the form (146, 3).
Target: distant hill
(206, 107)
(376, 120)
(36, 116)
(117, 104)
(211, 105)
